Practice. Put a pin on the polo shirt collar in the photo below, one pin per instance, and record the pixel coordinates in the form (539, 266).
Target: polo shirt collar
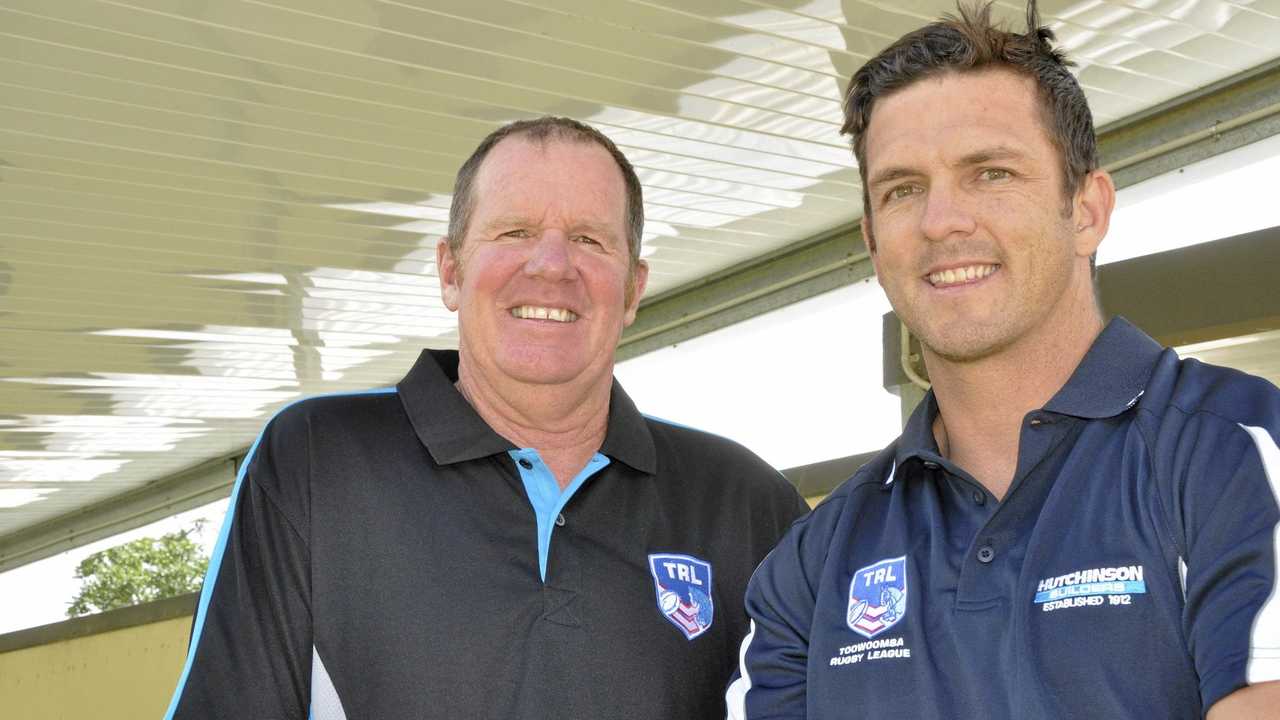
(1112, 375)
(1109, 380)
(628, 438)
(453, 431)
(443, 419)
(917, 437)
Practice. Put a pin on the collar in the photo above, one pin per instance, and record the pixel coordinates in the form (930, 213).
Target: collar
(453, 431)
(1112, 375)
(445, 422)
(917, 439)
(1108, 381)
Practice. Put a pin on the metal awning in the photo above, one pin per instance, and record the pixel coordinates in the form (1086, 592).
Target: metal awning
(210, 209)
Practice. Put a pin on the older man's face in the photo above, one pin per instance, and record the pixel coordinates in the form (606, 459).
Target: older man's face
(543, 284)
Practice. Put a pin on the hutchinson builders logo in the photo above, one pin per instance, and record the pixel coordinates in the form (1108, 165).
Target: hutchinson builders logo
(878, 597)
(683, 587)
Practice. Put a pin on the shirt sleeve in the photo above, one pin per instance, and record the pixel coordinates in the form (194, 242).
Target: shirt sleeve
(250, 649)
(1230, 515)
(771, 675)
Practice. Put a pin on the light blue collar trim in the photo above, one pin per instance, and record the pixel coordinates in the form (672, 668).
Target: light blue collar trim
(545, 495)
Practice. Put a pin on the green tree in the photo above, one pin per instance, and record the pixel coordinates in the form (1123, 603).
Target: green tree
(140, 571)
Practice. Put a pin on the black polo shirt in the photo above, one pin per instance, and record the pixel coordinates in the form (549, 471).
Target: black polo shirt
(1129, 572)
(387, 555)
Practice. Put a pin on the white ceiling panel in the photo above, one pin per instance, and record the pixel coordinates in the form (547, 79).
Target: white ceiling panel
(208, 209)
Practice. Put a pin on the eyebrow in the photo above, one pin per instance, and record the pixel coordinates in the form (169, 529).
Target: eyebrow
(977, 157)
(507, 220)
(588, 227)
(890, 174)
(986, 155)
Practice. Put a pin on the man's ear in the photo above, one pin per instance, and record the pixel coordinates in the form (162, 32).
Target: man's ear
(867, 237)
(450, 272)
(1091, 211)
(870, 240)
(635, 291)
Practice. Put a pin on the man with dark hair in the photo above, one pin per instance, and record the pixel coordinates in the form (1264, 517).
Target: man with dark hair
(1074, 522)
(502, 534)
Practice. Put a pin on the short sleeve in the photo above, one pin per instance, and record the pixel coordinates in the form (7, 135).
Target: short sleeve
(770, 681)
(250, 651)
(1231, 515)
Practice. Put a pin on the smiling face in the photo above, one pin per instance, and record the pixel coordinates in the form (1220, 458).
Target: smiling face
(970, 233)
(544, 285)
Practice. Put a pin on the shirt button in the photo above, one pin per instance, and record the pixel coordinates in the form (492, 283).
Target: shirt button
(986, 554)
(931, 465)
(560, 520)
(524, 463)
(979, 498)
(1033, 422)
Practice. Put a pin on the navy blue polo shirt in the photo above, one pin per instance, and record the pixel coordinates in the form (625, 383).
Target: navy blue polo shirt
(1130, 571)
(388, 555)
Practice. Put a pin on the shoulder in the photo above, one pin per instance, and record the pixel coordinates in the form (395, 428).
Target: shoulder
(351, 408)
(335, 405)
(868, 484)
(279, 462)
(287, 438)
(1190, 386)
(715, 460)
(684, 446)
(822, 535)
(873, 477)
(1191, 402)
(1211, 433)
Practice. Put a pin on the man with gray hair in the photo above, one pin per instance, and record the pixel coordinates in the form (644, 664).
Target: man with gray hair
(1074, 522)
(502, 534)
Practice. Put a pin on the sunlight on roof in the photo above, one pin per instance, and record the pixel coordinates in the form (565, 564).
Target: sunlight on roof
(1217, 198)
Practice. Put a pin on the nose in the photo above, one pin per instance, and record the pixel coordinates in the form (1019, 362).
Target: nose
(549, 257)
(946, 213)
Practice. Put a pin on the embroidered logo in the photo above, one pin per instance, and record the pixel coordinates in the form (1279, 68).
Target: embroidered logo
(878, 597)
(682, 585)
(1091, 587)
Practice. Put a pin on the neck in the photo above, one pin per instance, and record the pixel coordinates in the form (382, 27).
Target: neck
(981, 403)
(564, 423)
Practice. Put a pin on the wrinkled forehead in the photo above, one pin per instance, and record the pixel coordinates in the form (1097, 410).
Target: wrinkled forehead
(952, 112)
(565, 177)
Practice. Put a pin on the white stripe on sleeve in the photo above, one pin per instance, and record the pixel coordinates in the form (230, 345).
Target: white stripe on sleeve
(735, 698)
(1264, 645)
(325, 703)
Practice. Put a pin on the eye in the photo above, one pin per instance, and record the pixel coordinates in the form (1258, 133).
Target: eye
(517, 233)
(586, 239)
(901, 192)
(993, 174)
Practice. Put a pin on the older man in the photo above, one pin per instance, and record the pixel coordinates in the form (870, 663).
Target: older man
(501, 535)
(1075, 522)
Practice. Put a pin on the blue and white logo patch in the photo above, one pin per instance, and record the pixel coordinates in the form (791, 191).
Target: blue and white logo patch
(682, 584)
(878, 597)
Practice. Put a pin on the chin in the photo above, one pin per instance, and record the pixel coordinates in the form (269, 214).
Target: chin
(540, 368)
(964, 346)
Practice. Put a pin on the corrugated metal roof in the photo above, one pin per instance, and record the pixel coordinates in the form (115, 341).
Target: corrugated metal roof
(210, 208)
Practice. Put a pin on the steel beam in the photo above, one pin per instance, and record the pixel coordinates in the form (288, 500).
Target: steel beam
(200, 485)
(1210, 121)
(811, 268)
(1226, 115)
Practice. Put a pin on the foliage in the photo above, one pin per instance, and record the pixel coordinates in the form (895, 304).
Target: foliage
(140, 571)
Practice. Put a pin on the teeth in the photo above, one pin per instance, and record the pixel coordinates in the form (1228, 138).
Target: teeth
(960, 275)
(536, 312)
